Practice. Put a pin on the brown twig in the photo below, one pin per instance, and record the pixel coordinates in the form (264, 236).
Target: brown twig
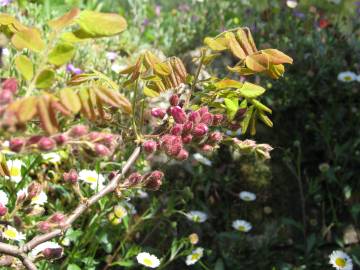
(21, 252)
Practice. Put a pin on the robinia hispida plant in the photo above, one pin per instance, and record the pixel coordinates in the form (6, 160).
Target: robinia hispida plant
(48, 113)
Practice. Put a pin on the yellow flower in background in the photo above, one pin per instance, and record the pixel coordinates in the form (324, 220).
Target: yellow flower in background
(14, 167)
(11, 233)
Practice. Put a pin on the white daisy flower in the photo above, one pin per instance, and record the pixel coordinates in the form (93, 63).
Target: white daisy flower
(96, 180)
(11, 233)
(65, 242)
(195, 256)
(200, 158)
(347, 76)
(120, 212)
(291, 3)
(148, 260)
(5, 52)
(39, 199)
(40, 248)
(340, 260)
(14, 167)
(117, 68)
(4, 199)
(247, 196)
(51, 157)
(241, 225)
(197, 216)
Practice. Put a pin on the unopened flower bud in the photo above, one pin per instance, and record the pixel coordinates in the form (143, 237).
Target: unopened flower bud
(71, 176)
(46, 144)
(112, 175)
(187, 127)
(57, 218)
(6, 96)
(34, 189)
(207, 118)
(217, 119)
(150, 146)
(194, 117)
(200, 130)
(44, 226)
(16, 144)
(79, 130)
(154, 180)
(102, 150)
(3, 210)
(158, 113)
(52, 253)
(206, 148)
(176, 129)
(174, 100)
(60, 139)
(203, 110)
(133, 180)
(95, 136)
(10, 84)
(183, 155)
(171, 144)
(194, 238)
(187, 138)
(215, 137)
(178, 114)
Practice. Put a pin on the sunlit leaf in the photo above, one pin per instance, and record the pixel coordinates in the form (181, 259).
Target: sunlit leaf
(25, 67)
(260, 106)
(65, 20)
(70, 100)
(61, 54)
(28, 38)
(45, 79)
(250, 90)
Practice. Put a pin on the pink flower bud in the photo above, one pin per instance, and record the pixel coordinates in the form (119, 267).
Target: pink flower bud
(57, 218)
(10, 84)
(203, 110)
(52, 253)
(183, 155)
(16, 144)
(154, 180)
(150, 146)
(171, 144)
(215, 137)
(71, 176)
(207, 118)
(46, 144)
(200, 130)
(133, 180)
(79, 130)
(44, 226)
(176, 129)
(158, 113)
(95, 136)
(34, 189)
(187, 138)
(102, 150)
(60, 138)
(112, 175)
(218, 118)
(6, 96)
(194, 117)
(206, 148)
(178, 114)
(174, 100)
(107, 138)
(34, 139)
(187, 127)
(3, 210)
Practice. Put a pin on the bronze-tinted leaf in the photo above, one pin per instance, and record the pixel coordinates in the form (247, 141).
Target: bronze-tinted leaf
(277, 57)
(113, 98)
(242, 37)
(27, 109)
(163, 69)
(86, 107)
(65, 20)
(215, 44)
(227, 83)
(257, 62)
(45, 115)
(234, 46)
(70, 100)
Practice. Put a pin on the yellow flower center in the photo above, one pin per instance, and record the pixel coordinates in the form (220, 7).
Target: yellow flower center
(242, 228)
(14, 171)
(195, 256)
(347, 78)
(91, 179)
(10, 234)
(120, 212)
(148, 262)
(340, 262)
(35, 198)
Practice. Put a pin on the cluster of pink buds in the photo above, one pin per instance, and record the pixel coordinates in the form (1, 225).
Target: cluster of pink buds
(57, 220)
(7, 91)
(152, 180)
(3, 210)
(187, 127)
(71, 176)
(102, 144)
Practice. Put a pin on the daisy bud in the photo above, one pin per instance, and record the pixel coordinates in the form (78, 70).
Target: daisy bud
(178, 114)
(52, 253)
(194, 117)
(6, 96)
(176, 129)
(200, 130)
(102, 150)
(34, 189)
(71, 176)
(206, 148)
(187, 127)
(3, 210)
(194, 238)
(60, 139)
(174, 100)
(171, 144)
(183, 155)
(10, 84)
(16, 144)
(154, 180)
(215, 137)
(207, 118)
(133, 180)
(149, 146)
(187, 139)
(203, 110)
(57, 218)
(158, 113)
(46, 144)
(79, 130)
(44, 226)
(217, 119)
